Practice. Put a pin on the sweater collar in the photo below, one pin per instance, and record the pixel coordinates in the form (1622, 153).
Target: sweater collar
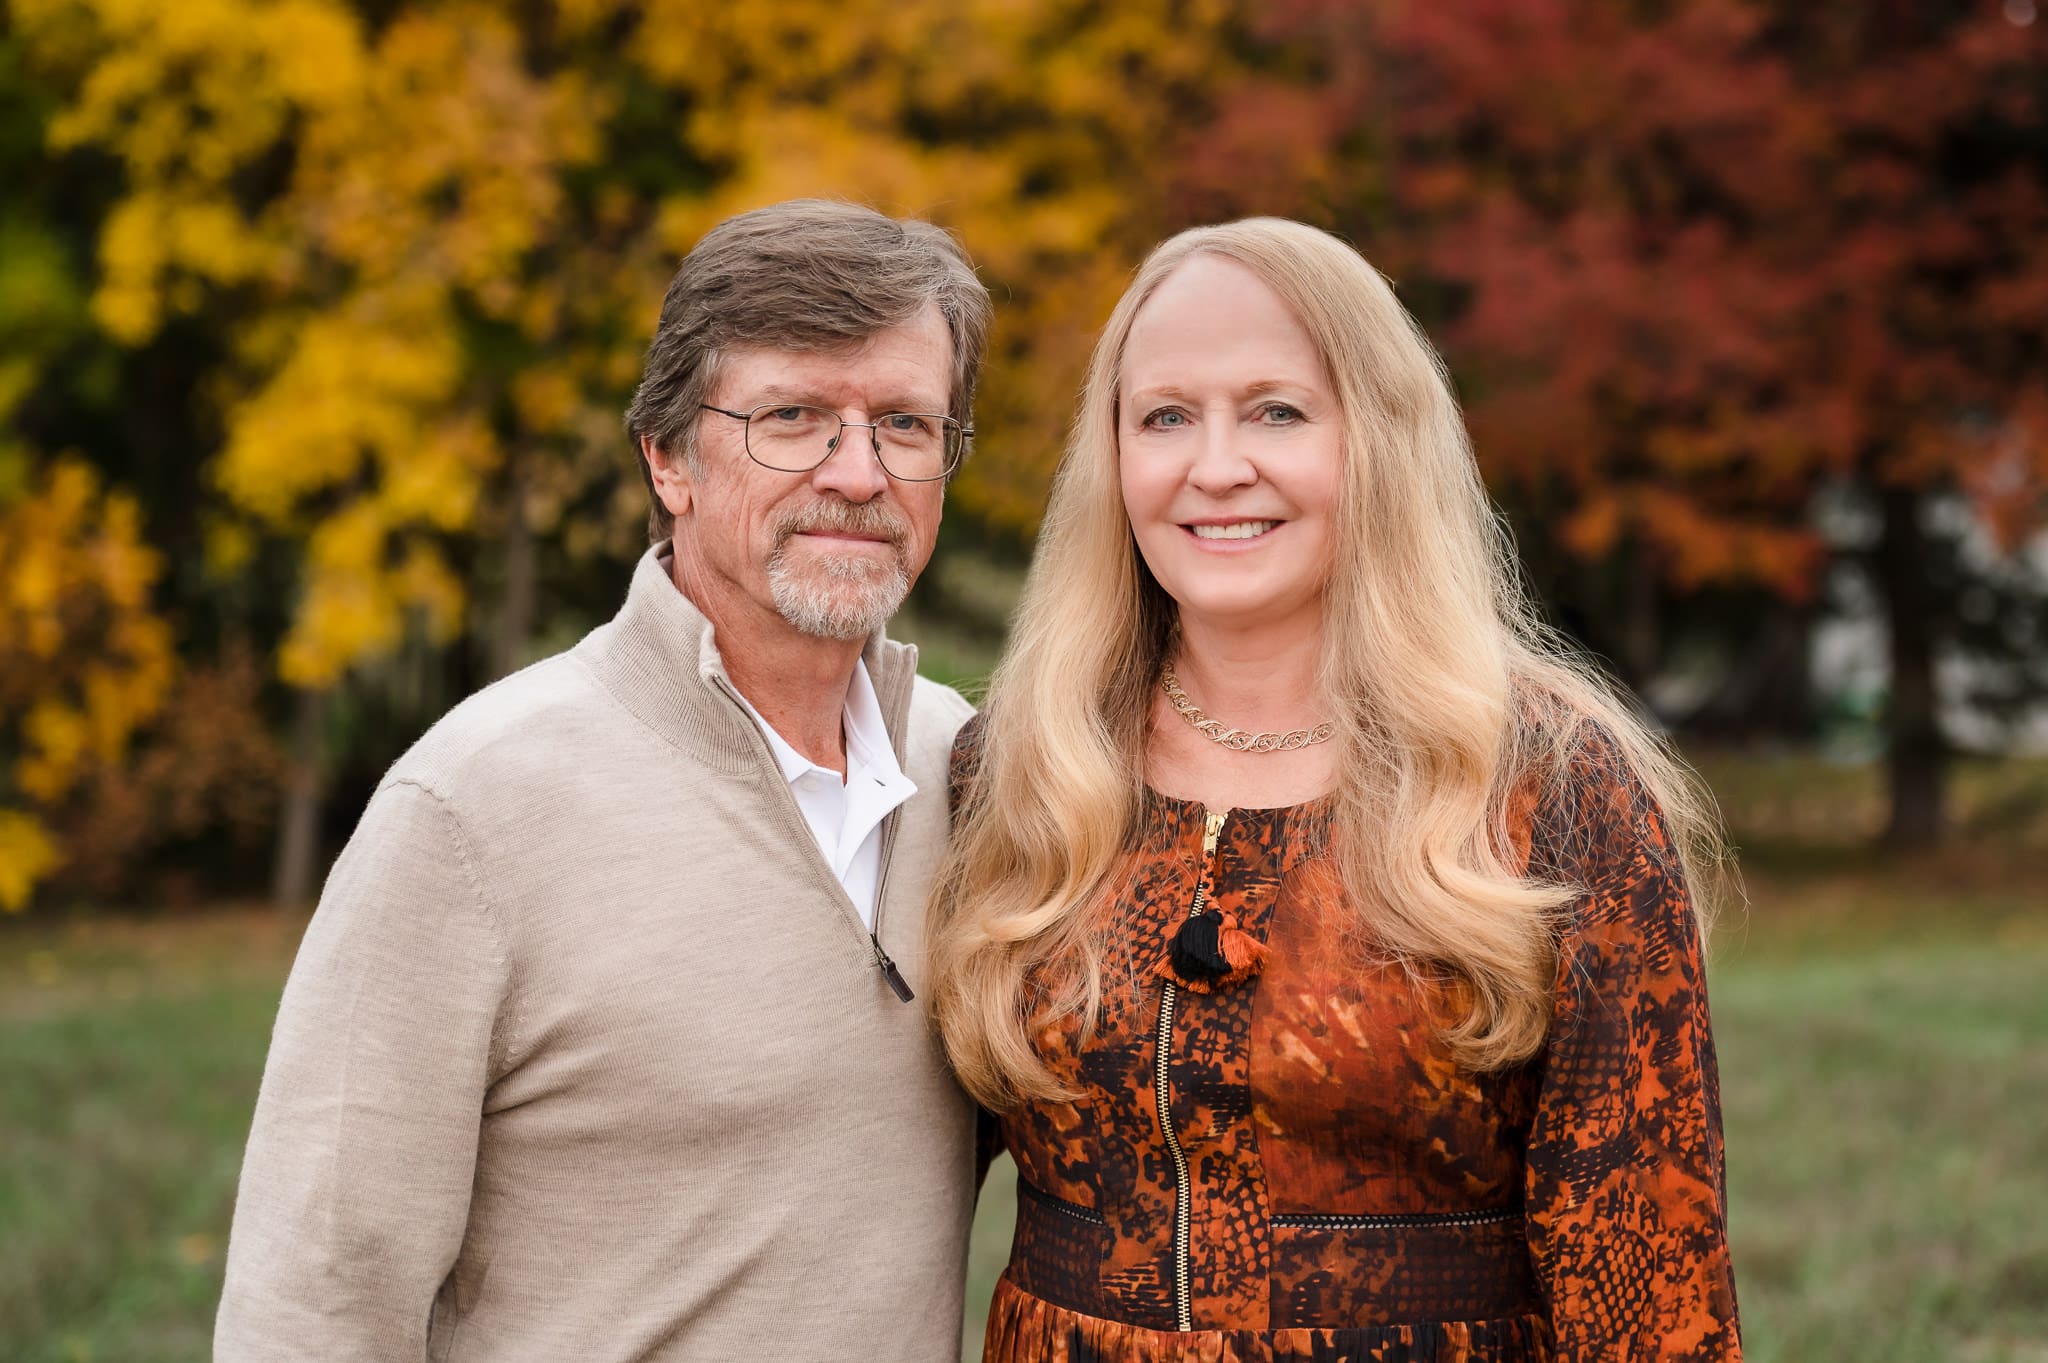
(659, 659)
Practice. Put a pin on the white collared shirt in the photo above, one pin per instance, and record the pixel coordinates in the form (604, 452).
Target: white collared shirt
(846, 817)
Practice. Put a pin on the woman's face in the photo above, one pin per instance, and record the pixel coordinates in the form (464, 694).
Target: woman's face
(1229, 449)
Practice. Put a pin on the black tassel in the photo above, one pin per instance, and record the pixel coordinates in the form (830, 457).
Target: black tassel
(1196, 951)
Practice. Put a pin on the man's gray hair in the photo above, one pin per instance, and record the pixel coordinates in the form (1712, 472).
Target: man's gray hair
(809, 274)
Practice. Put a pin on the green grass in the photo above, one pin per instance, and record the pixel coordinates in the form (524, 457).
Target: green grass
(131, 1057)
(1884, 1060)
(1884, 1051)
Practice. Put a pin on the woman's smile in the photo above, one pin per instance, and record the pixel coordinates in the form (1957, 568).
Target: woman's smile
(1230, 532)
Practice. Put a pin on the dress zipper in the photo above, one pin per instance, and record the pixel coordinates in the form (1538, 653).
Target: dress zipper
(1485, 1216)
(1162, 1097)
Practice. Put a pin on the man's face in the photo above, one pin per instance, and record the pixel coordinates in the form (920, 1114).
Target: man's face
(830, 553)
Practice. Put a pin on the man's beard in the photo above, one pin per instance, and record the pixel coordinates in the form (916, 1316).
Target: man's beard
(839, 596)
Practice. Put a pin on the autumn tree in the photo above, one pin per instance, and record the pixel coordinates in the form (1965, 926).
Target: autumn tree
(84, 661)
(1696, 262)
(441, 233)
(85, 655)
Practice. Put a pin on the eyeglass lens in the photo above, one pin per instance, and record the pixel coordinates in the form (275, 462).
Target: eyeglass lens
(912, 446)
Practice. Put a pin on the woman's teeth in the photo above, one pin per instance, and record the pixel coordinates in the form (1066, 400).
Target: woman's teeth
(1242, 530)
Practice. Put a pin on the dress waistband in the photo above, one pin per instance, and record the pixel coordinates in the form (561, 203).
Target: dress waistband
(1310, 1270)
(1024, 1328)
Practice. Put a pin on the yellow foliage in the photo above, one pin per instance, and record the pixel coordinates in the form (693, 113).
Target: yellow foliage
(83, 660)
(456, 163)
(187, 96)
(546, 399)
(428, 166)
(229, 546)
(26, 856)
(357, 385)
(1054, 200)
(18, 374)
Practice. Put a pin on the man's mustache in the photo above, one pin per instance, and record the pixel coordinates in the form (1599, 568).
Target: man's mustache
(875, 519)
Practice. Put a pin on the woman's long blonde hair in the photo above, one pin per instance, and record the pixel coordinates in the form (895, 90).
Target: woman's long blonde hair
(1448, 693)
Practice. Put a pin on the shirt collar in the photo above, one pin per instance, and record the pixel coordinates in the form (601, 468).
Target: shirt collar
(869, 754)
(658, 659)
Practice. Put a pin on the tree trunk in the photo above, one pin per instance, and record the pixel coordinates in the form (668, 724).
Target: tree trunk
(1916, 758)
(298, 832)
(1767, 691)
(1642, 619)
(513, 635)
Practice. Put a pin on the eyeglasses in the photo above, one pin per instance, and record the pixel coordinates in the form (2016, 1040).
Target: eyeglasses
(913, 447)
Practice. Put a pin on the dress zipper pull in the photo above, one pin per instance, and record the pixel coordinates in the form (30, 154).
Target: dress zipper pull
(890, 972)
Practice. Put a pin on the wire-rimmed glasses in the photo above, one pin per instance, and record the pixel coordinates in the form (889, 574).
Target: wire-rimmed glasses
(913, 447)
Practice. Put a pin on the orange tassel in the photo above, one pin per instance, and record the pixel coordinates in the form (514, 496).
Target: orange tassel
(1208, 950)
(1244, 951)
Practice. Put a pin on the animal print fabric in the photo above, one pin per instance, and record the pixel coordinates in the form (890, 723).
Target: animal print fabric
(1352, 1193)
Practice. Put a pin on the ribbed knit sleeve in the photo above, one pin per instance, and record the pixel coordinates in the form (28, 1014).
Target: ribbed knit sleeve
(1625, 1192)
(356, 1186)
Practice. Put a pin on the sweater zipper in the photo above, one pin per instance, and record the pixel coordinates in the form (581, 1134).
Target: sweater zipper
(894, 977)
(897, 984)
(1162, 1097)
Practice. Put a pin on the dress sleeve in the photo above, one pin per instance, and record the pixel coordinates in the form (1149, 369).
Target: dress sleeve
(965, 767)
(1626, 1195)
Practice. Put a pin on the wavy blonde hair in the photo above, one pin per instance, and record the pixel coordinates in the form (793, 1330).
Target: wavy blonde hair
(1448, 693)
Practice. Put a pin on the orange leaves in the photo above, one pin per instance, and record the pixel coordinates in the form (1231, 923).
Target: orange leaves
(1695, 547)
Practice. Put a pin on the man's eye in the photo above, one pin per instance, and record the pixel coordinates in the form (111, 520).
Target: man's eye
(904, 422)
(790, 413)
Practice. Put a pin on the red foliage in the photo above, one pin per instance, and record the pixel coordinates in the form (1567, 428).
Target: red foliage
(1701, 255)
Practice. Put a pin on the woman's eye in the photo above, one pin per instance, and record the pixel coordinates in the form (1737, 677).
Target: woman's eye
(1166, 418)
(1280, 414)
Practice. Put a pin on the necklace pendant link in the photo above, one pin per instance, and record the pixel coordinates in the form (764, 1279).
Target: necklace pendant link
(1238, 740)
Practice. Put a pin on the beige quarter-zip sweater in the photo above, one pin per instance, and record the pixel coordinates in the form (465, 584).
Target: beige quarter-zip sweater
(587, 1055)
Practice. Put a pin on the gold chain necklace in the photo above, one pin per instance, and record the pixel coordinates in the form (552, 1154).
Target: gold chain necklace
(1240, 740)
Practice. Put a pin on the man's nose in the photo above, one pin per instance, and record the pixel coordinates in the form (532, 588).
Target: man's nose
(854, 467)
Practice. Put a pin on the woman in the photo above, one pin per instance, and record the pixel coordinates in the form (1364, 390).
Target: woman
(1319, 929)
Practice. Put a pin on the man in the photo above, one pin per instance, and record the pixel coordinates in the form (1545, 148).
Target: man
(600, 1045)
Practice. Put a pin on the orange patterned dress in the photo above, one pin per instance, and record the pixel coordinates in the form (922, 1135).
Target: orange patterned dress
(1275, 1157)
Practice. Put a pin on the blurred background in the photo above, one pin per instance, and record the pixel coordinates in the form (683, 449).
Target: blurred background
(317, 318)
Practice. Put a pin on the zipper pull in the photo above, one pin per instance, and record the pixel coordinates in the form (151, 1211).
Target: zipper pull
(889, 971)
(1212, 828)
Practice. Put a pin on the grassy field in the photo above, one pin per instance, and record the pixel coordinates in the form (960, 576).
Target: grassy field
(129, 1058)
(1884, 1044)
